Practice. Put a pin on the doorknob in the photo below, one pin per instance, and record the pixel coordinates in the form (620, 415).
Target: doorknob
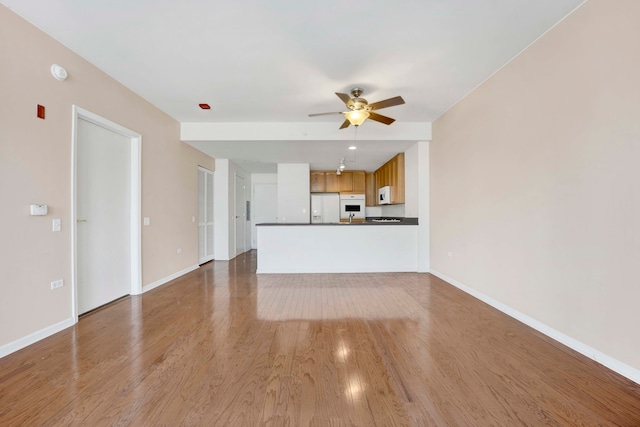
(81, 220)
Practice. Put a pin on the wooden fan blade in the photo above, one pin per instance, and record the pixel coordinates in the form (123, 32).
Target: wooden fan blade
(345, 124)
(325, 114)
(344, 97)
(387, 103)
(380, 118)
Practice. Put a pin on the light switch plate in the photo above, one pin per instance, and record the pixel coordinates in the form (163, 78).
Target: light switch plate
(55, 224)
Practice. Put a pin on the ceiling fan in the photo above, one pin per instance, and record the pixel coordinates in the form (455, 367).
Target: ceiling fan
(360, 110)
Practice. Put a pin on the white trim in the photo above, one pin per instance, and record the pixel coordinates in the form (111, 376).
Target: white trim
(205, 260)
(35, 337)
(590, 352)
(136, 214)
(169, 278)
(136, 199)
(235, 215)
(204, 224)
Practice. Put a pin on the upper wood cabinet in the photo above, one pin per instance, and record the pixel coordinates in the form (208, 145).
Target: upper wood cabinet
(318, 182)
(370, 194)
(332, 184)
(392, 174)
(329, 182)
(346, 182)
(359, 182)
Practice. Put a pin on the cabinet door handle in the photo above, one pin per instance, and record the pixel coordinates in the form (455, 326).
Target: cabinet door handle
(81, 220)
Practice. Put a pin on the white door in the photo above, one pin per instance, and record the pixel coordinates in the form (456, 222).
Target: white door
(205, 215)
(240, 215)
(103, 215)
(265, 205)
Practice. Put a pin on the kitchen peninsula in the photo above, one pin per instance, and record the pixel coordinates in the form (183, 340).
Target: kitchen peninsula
(374, 247)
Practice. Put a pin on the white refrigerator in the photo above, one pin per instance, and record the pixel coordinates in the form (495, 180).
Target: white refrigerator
(325, 208)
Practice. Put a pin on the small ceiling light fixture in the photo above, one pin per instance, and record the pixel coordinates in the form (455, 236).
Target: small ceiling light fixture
(205, 106)
(357, 117)
(353, 147)
(58, 72)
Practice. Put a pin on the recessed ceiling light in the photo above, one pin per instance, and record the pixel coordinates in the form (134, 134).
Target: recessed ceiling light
(205, 106)
(353, 147)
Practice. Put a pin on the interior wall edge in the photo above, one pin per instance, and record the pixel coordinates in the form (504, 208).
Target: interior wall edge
(34, 337)
(169, 278)
(582, 348)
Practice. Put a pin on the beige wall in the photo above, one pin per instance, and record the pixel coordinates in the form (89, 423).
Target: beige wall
(35, 165)
(535, 181)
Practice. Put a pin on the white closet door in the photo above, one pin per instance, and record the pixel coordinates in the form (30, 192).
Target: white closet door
(103, 204)
(205, 215)
(241, 219)
(209, 216)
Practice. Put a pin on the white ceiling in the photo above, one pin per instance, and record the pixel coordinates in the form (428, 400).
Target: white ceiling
(276, 61)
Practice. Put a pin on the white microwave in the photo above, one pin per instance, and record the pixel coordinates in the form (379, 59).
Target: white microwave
(384, 195)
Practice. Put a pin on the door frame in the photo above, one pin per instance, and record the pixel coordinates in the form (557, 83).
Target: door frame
(207, 258)
(243, 216)
(136, 200)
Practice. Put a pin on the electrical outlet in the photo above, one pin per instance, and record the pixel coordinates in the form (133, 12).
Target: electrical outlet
(57, 284)
(450, 254)
(179, 250)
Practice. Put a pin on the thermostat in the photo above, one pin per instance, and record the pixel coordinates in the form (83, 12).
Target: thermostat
(38, 209)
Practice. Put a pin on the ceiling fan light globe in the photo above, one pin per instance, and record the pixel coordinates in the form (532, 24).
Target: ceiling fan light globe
(357, 117)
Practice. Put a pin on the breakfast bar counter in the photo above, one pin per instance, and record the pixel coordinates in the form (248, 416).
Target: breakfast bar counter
(370, 247)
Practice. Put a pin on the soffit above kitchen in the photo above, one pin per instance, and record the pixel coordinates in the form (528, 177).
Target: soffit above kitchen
(278, 61)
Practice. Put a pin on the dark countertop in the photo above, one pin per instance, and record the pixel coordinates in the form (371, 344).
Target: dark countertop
(403, 221)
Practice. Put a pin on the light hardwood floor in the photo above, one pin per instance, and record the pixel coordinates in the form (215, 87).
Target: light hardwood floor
(222, 346)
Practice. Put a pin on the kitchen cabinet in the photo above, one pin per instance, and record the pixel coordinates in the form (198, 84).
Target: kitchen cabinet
(318, 182)
(332, 185)
(370, 193)
(324, 182)
(346, 182)
(329, 182)
(359, 182)
(392, 174)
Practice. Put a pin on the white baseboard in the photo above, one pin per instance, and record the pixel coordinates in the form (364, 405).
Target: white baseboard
(35, 337)
(50, 330)
(606, 360)
(169, 278)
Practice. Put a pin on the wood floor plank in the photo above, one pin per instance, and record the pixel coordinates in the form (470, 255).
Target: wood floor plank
(222, 346)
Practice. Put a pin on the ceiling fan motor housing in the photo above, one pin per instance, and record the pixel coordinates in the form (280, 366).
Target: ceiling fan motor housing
(357, 104)
(356, 92)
